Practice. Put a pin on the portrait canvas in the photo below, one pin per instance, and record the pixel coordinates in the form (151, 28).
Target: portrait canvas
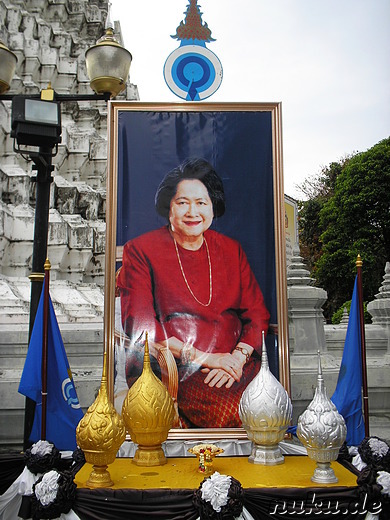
(200, 301)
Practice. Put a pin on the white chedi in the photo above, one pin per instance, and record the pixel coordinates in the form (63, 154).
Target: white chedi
(265, 410)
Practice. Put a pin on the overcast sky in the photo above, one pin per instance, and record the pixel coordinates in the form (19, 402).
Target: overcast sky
(327, 61)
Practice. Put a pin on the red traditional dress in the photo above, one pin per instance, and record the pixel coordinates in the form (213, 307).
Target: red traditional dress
(155, 298)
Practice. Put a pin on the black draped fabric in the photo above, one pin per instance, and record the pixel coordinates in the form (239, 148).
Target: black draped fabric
(11, 466)
(165, 504)
(132, 504)
(319, 503)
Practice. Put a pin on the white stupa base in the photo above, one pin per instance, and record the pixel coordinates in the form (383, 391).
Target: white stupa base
(266, 455)
(324, 474)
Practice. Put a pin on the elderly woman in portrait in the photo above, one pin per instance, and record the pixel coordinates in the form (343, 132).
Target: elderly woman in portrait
(193, 290)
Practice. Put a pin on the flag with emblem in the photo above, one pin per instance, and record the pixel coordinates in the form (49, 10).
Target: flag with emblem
(63, 411)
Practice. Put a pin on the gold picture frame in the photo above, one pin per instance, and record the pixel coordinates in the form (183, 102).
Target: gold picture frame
(145, 140)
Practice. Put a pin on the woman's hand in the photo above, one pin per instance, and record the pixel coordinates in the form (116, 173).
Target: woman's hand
(229, 363)
(218, 378)
(227, 370)
(224, 369)
(221, 368)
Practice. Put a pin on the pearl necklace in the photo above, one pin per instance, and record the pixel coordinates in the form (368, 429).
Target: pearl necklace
(185, 278)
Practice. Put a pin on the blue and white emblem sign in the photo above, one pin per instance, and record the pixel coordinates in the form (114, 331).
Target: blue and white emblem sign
(192, 71)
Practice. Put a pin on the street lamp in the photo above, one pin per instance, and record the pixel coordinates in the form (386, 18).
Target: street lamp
(36, 129)
(108, 64)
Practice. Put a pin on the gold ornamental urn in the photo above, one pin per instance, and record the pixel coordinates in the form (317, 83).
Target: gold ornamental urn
(100, 434)
(148, 413)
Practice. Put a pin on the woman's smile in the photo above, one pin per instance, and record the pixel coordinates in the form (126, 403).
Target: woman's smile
(192, 223)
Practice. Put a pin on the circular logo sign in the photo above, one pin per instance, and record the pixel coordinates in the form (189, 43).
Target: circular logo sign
(193, 72)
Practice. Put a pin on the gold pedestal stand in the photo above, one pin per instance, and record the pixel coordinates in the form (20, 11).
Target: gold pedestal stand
(149, 456)
(100, 476)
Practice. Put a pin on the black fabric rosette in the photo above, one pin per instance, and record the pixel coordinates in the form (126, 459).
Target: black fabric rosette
(230, 511)
(375, 452)
(44, 505)
(369, 490)
(39, 463)
(78, 461)
(344, 454)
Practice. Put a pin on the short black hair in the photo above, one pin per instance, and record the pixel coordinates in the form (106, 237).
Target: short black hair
(191, 169)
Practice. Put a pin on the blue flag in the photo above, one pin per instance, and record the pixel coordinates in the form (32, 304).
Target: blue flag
(348, 394)
(63, 407)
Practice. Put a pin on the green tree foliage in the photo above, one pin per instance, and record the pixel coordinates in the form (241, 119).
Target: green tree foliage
(350, 215)
(338, 315)
(317, 190)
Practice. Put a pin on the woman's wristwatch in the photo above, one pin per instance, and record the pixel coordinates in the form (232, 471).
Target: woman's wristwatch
(244, 351)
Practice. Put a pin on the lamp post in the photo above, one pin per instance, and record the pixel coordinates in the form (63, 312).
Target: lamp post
(36, 122)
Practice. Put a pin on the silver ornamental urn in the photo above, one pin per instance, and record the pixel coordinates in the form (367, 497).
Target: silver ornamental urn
(265, 411)
(322, 430)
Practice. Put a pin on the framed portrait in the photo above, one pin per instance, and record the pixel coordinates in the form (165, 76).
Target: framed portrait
(291, 226)
(195, 255)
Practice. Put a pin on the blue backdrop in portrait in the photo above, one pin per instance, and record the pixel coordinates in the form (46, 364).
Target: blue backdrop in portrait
(238, 144)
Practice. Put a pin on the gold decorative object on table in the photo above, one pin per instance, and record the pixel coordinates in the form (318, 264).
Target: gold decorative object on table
(265, 410)
(322, 430)
(148, 412)
(205, 453)
(100, 434)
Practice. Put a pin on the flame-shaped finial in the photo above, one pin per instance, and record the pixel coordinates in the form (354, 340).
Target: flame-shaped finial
(320, 378)
(146, 354)
(109, 22)
(264, 354)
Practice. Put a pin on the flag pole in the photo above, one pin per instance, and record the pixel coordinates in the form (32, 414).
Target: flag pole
(47, 267)
(359, 264)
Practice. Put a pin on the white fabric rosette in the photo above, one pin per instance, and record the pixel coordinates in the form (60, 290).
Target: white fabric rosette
(383, 479)
(46, 493)
(10, 500)
(215, 490)
(358, 463)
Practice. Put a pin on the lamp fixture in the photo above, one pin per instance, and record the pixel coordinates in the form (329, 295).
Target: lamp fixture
(35, 122)
(108, 63)
(8, 62)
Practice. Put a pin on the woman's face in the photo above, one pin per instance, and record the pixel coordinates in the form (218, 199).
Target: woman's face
(191, 209)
